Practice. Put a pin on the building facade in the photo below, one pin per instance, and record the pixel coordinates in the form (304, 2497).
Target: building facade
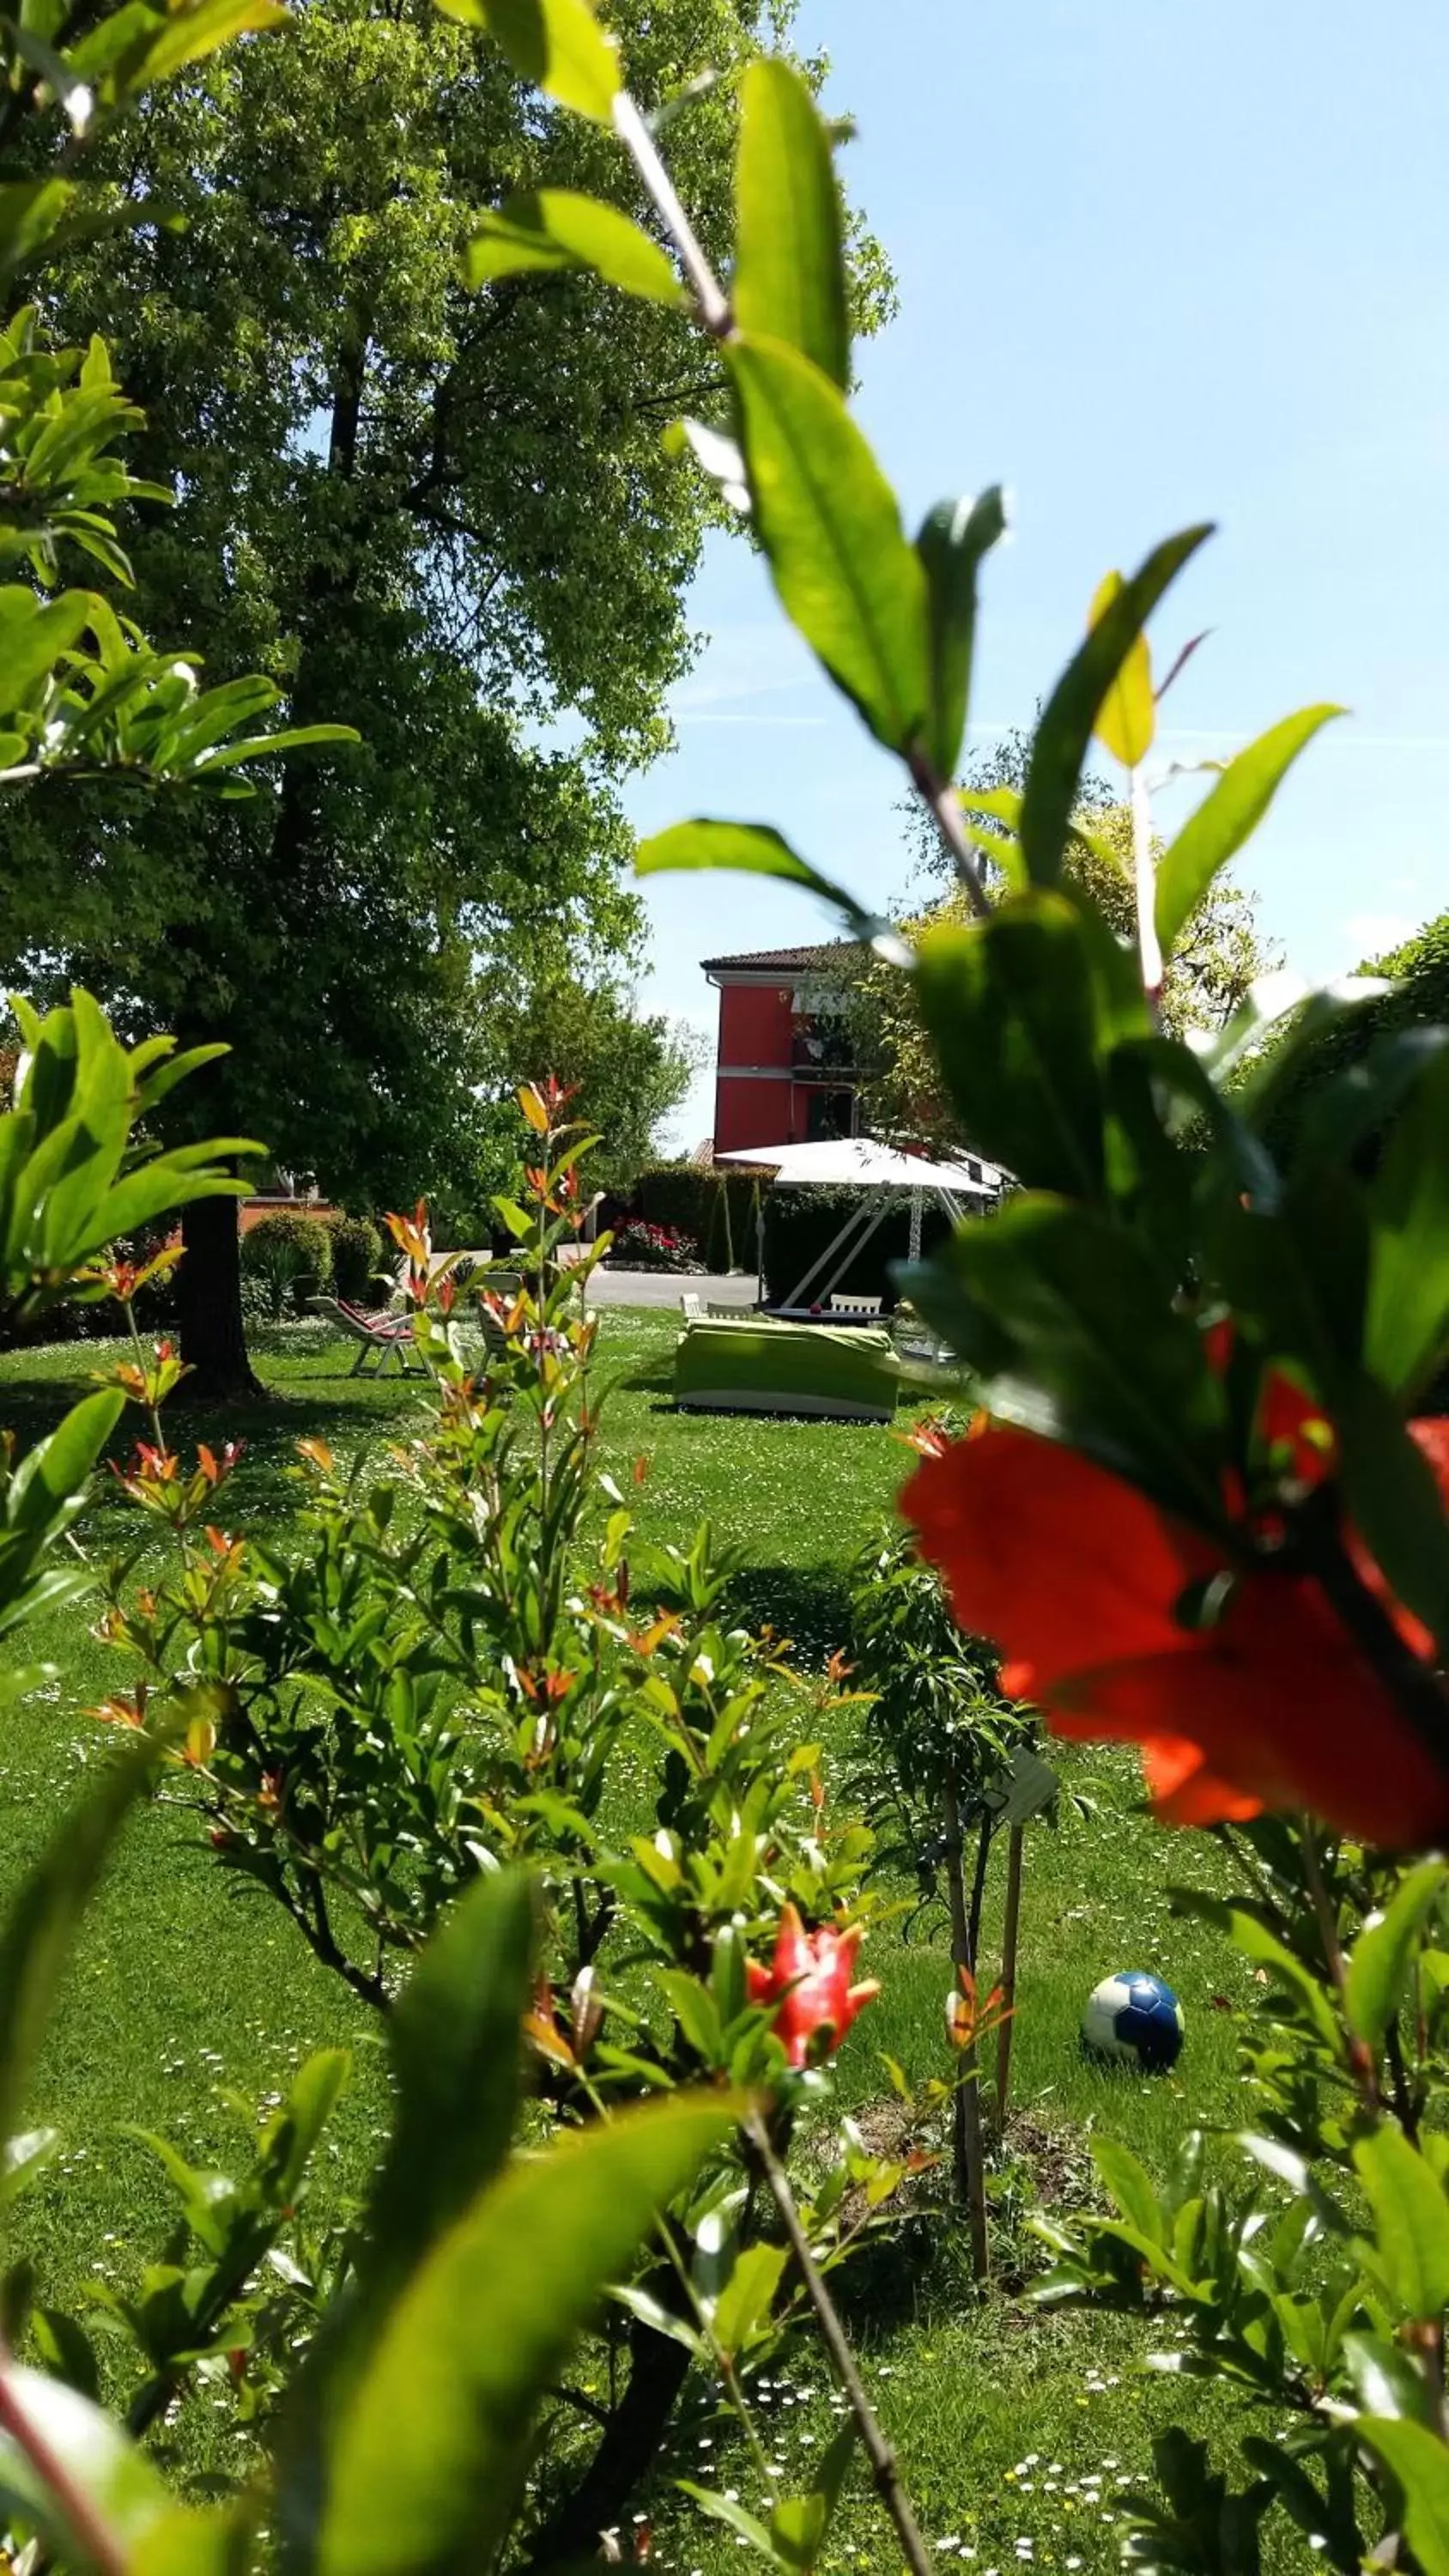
(784, 1070)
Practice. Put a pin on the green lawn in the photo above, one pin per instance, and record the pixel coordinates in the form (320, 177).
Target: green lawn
(182, 1988)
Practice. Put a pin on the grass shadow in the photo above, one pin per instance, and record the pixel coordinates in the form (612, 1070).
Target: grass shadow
(807, 1603)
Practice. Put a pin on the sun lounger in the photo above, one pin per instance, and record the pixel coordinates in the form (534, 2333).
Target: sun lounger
(746, 1365)
(384, 1337)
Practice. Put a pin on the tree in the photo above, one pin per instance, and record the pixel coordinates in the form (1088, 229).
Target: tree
(1219, 955)
(448, 517)
(1294, 1076)
(626, 1072)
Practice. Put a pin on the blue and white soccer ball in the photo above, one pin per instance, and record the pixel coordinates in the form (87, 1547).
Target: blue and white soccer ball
(1133, 2019)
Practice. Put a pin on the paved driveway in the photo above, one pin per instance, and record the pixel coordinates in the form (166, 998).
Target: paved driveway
(610, 1287)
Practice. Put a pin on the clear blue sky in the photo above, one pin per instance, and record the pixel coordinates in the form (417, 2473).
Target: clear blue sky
(1155, 265)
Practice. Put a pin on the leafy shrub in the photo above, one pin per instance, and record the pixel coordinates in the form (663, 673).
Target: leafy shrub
(282, 1248)
(390, 1743)
(356, 1253)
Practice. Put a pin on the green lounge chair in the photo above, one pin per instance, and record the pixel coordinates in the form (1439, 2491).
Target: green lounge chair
(747, 1365)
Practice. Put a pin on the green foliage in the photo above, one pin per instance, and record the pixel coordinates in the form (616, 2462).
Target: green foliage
(1225, 819)
(1313, 2304)
(82, 693)
(1345, 1080)
(557, 228)
(434, 1678)
(789, 277)
(625, 1071)
(754, 849)
(831, 530)
(1216, 959)
(285, 1249)
(397, 567)
(356, 1249)
(934, 1712)
(73, 1172)
(76, 1169)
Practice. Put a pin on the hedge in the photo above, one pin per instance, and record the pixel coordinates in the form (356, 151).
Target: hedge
(696, 1199)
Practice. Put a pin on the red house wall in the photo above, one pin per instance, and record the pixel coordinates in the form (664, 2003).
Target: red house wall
(755, 1035)
(755, 1024)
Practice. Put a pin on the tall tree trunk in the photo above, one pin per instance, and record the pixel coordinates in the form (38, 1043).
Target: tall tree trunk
(213, 1335)
(208, 1298)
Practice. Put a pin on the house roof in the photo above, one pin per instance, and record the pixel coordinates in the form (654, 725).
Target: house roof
(787, 961)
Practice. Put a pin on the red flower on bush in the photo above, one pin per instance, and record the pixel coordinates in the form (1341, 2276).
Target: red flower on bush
(1081, 1581)
(810, 1974)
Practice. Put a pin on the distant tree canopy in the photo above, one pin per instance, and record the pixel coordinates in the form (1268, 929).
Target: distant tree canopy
(448, 518)
(1419, 998)
(627, 1071)
(1220, 955)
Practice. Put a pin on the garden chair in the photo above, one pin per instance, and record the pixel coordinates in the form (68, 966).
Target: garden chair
(386, 1336)
(691, 1307)
(855, 1305)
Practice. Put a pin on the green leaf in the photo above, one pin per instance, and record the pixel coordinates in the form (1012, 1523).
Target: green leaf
(1383, 1954)
(1384, 2378)
(1008, 1004)
(433, 2450)
(454, 2034)
(34, 635)
(264, 746)
(560, 228)
(50, 1482)
(1127, 716)
(722, 2508)
(1257, 1943)
(758, 850)
(24, 2159)
(1131, 2187)
(190, 2541)
(66, 2350)
(829, 524)
(799, 2524)
(1094, 1353)
(954, 539)
(189, 34)
(292, 2133)
(744, 2304)
(1065, 731)
(1406, 1332)
(789, 280)
(1419, 2460)
(557, 44)
(123, 2494)
(43, 1918)
(1227, 816)
(1411, 2221)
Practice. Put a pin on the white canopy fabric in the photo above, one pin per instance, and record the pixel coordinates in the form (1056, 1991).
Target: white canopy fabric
(858, 1162)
